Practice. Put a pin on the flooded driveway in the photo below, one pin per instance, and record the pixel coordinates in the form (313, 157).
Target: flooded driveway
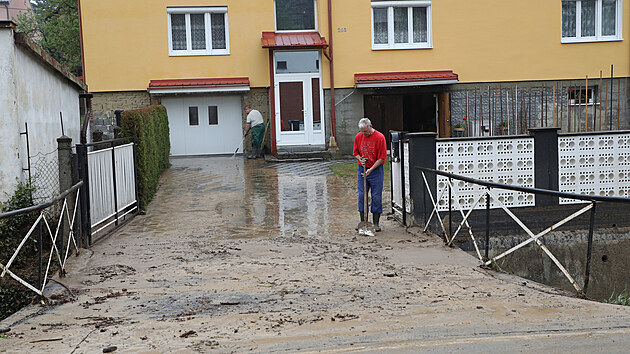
(236, 198)
(236, 255)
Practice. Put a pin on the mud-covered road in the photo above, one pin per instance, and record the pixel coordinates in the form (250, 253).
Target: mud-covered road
(236, 255)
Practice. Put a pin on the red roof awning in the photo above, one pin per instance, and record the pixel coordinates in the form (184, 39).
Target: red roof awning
(199, 85)
(293, 40)
(407, 78)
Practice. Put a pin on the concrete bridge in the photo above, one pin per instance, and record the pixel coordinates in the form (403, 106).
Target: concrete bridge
(237, 255)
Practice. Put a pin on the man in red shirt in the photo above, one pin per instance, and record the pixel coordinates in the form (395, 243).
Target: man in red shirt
(370, 149)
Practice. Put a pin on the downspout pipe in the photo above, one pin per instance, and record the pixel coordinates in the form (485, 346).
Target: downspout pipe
(87, 97)
(333, 139)
(272, 105)
(81, 39)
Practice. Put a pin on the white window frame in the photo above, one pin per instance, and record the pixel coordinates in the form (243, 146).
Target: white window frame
(390, 5)
(275, 20)
(591, 98)
(207, 11)
(598, 24)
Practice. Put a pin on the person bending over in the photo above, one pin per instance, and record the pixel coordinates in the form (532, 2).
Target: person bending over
(370, 149)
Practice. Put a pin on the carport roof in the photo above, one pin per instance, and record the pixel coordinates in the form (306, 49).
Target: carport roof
(288, 40)
(218, 84)
(406, 78)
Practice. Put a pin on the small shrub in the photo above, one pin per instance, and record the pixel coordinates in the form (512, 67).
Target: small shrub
(149, 126)
(14, 296)
(12, 230)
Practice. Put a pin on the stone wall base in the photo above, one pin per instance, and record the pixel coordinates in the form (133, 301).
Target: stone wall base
(104, 104)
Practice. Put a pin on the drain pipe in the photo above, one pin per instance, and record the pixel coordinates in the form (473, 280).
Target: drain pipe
(332, 146)
(87, 97)
(81, 41)
(272, 105)
(348, 95)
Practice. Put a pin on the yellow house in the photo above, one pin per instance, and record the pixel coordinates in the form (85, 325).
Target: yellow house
(313, 68)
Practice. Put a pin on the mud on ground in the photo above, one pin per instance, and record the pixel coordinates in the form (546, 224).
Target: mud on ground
(236, 255)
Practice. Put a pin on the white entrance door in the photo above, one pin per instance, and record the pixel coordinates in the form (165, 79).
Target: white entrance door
(298, 99)
(204, 125)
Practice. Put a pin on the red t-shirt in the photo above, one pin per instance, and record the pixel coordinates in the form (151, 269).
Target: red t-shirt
(373, 147)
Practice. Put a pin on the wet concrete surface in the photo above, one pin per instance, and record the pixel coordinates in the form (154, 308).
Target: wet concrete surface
(237, 255)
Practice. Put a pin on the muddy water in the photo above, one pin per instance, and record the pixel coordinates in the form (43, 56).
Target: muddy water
(238, 255)
(256, 199)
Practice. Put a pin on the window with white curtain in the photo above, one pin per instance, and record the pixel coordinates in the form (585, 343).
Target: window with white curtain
(591, 20)
(401, 24)
(198, 31)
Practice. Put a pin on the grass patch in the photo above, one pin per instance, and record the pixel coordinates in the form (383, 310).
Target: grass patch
(620, 299)
(344, 170)
(349, 170)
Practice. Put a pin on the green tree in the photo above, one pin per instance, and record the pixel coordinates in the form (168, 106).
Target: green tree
(54, 25)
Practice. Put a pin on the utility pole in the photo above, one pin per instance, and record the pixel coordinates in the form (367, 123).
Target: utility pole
(611, 96)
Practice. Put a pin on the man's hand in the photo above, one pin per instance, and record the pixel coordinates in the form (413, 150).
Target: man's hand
(376, 164)
(362, 160)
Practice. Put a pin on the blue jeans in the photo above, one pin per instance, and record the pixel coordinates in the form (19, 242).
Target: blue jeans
(374, 186)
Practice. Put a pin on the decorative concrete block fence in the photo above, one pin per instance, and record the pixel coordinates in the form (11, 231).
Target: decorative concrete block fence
(583, 163)
(594, 164)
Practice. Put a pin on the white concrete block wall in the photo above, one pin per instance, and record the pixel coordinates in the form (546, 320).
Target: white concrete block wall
(594, 165)
(507, 161)
(33, 93)
(10, 166)
(42, 94)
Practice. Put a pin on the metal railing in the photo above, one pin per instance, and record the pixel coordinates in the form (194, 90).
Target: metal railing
(488, 195)
(42, 220)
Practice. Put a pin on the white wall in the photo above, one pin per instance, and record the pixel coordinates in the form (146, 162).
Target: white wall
(10, 166)
(39, 94)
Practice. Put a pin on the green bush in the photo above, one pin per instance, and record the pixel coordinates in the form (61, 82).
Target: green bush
(14, 296)
(149, 126)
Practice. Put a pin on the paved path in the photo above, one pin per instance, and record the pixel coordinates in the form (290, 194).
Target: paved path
(237, 255)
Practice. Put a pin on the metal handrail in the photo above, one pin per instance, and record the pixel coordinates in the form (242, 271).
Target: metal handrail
(590, 198)
(62, 251)
(111, 141)
(43, 205)
(484, 138)
(593, 200)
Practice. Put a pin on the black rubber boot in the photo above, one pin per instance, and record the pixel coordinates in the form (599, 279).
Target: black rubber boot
(376, 217)
(259, 152)
(254, 153)
(362, 216)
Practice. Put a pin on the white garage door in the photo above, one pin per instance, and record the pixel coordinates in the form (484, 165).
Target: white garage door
(203, 125)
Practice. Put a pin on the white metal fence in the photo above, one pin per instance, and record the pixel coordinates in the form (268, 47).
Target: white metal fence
(125, 176)
(60, 247)
(112, 187)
